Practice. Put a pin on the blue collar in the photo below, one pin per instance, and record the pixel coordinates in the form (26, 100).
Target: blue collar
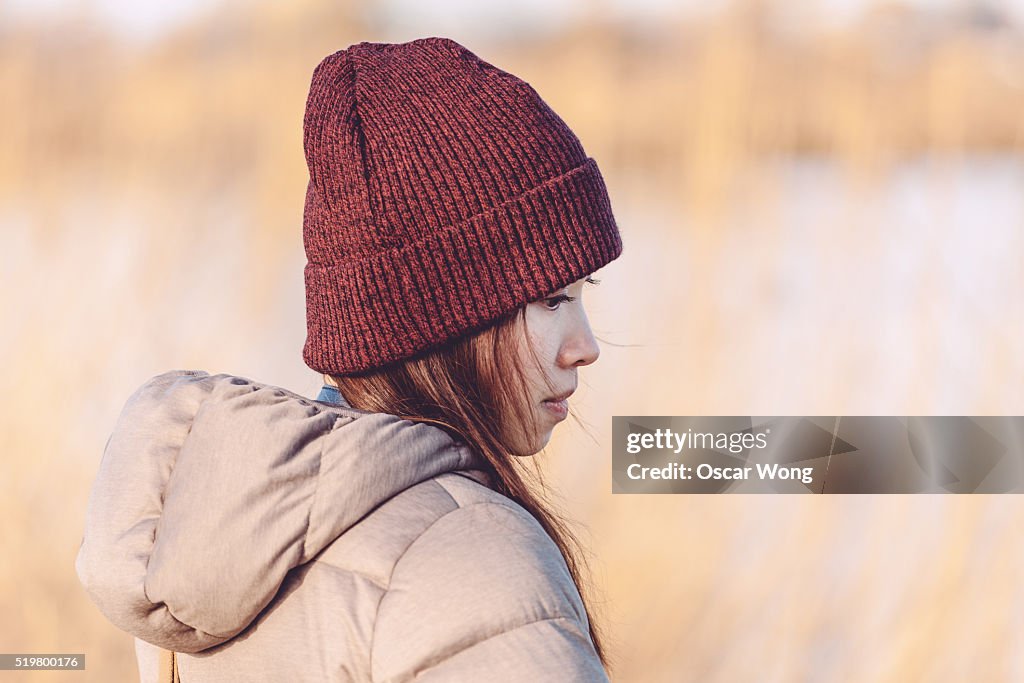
(329, 394)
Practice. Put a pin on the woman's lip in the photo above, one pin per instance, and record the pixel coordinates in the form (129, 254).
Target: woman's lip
(560, 409)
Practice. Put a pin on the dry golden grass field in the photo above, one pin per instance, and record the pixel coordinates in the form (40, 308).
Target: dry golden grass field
(818, 220)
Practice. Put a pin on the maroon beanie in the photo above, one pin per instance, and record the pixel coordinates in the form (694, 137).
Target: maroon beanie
(443, 194)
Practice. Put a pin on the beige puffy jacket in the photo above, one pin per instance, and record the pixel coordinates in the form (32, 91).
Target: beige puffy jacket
(269, 537)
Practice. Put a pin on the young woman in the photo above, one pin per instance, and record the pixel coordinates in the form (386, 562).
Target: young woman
(386, 531)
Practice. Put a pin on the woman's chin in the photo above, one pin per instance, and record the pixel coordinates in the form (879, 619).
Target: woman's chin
(535, 446)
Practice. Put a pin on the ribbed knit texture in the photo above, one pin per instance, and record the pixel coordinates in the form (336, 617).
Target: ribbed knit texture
(444, 193)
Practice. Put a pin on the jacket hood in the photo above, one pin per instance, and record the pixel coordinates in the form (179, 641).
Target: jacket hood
(212, 487)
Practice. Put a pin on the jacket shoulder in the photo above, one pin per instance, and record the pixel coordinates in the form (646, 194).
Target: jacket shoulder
(373, 546)
(481, 588)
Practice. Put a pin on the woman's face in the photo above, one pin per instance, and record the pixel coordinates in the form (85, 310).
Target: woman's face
(557, 330)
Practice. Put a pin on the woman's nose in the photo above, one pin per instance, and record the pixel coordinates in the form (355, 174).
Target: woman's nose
(580, 347)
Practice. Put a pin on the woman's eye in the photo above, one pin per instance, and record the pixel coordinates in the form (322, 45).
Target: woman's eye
(553, 302)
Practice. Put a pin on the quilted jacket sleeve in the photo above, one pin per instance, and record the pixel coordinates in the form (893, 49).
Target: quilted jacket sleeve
(483, 594)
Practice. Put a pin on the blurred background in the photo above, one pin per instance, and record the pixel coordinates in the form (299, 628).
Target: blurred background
(822, 205)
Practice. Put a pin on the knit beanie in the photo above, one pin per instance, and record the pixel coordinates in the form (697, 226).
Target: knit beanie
(443, 194)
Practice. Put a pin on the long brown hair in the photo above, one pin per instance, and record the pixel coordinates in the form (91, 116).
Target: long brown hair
(467, 387)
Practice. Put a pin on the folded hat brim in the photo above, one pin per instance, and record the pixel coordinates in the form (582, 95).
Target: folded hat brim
(367, 312)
